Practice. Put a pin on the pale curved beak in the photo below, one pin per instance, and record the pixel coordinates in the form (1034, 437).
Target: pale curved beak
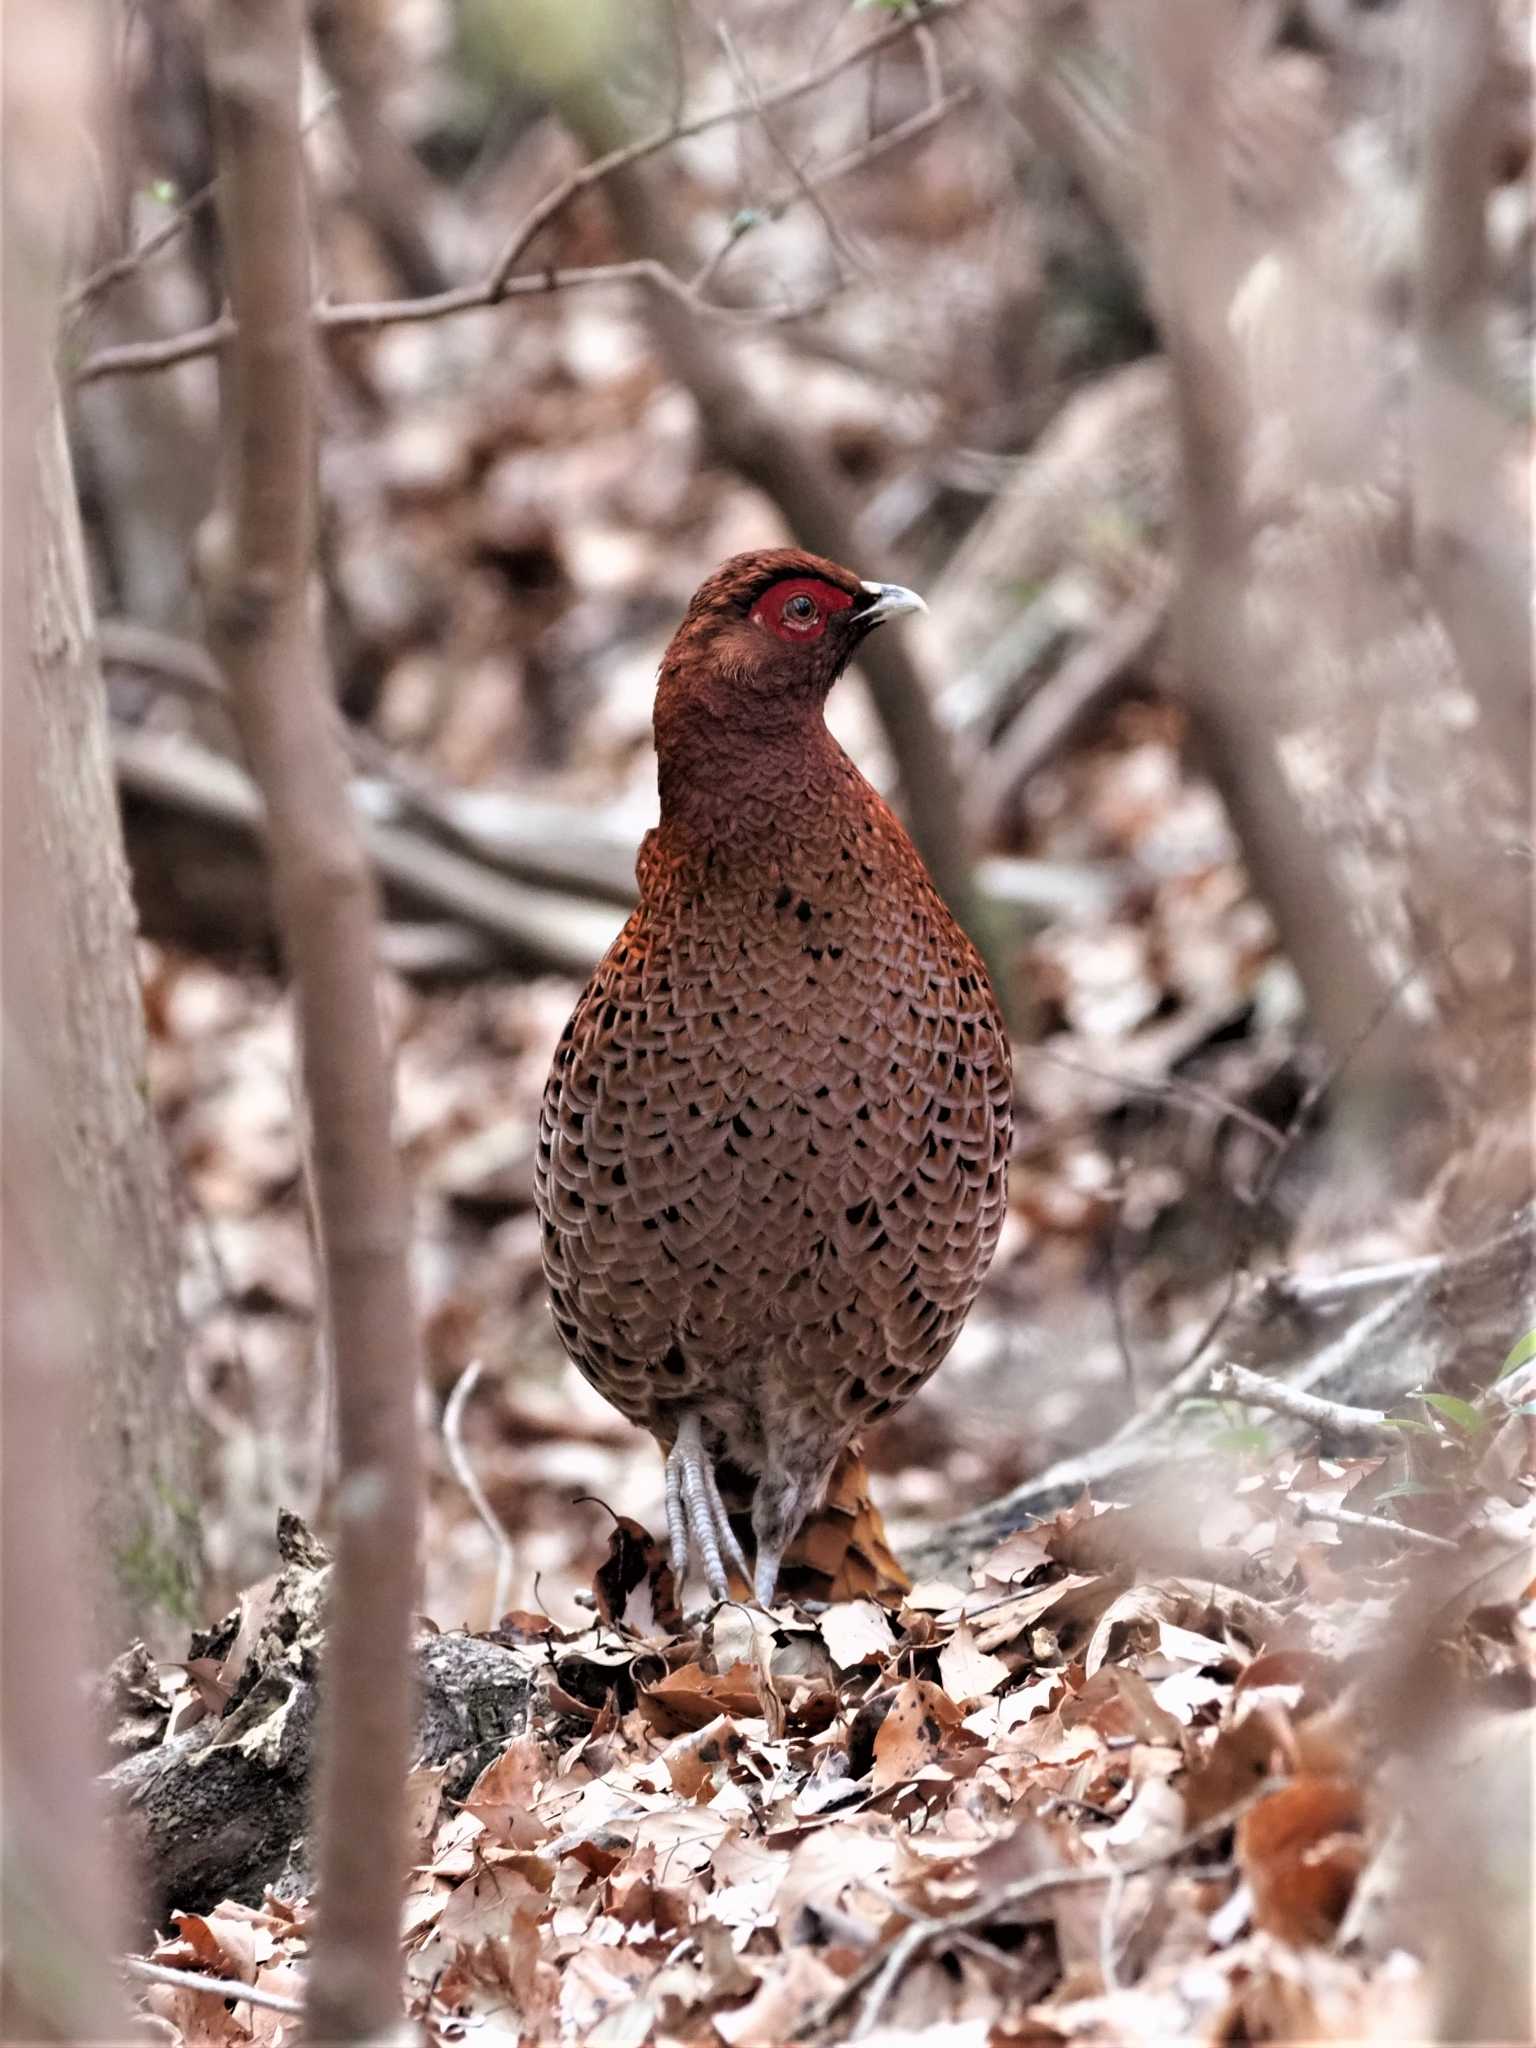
(891, 600)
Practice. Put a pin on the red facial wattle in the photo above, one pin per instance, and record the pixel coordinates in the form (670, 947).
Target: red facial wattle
(796, 611)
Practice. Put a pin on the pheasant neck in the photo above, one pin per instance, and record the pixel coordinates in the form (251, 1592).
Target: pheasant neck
(724, 790)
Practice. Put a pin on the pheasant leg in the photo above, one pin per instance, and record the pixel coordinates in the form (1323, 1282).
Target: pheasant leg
(787, 1491)
(696, 1516)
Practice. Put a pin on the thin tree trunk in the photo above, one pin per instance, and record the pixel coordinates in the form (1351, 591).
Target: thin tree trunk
(88, 1059)
(82, 1212)
(263, 637)
(1364, 702)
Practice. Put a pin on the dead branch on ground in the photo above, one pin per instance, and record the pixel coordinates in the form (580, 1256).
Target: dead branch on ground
(224, 1808)
(1434, 1313)
(544, 931)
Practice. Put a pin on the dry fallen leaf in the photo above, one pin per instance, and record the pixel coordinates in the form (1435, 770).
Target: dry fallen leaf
(911, 1737)
(693, 1697)
(856, 1632)
(633, 1585)
(967, 1673)
(502, 1797)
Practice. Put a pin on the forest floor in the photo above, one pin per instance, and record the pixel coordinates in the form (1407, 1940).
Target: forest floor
(1124, 1779)
(1166, 1763)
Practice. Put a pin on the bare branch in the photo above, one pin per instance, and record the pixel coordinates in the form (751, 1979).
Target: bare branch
(1336, 1418)
(1381, 1525)
(1058, 710)
(855, 159)
(1327, 1290)
(499, 284)
(215, 1987)
(883, 1971)
(781, 149)
(469, 1479)
(136, 358)
(117, 268)
(262, 637)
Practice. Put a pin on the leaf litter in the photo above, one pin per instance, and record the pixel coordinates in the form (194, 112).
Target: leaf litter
(1065, 1803)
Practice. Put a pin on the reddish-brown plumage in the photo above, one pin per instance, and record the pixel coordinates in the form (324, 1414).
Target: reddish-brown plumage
(773, 1151)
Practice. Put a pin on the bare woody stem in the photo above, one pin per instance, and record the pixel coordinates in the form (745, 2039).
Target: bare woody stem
(262, 638)
(498, 284)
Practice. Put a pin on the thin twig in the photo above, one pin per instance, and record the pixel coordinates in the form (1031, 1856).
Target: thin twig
(635, 152)
(136, 358)
(114, 271)
(782, 150)
(1337, 1418)
(1324, 1290)
(679, 62)
(464, 1472)
(928, 50)
(855, 159)
(498, 284)
(1351, 1518)
(1171, 1088)
(215, 1987)
(885, 1969)
(1059, 709)
(1193, 1376)
(1179, 1386)
(1116, 1283)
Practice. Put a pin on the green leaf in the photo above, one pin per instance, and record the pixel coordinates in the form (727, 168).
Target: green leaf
(1461, 1413)
(1249, 1437)
(1409, 1425)
(1523, 1353)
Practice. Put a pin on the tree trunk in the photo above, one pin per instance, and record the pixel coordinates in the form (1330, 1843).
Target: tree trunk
(87, 1304)
(85, 1082)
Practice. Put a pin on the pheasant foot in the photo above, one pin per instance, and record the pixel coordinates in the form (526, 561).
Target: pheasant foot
(696, 1515)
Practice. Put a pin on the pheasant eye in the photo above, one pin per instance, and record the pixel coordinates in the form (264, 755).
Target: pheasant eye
(797, 609)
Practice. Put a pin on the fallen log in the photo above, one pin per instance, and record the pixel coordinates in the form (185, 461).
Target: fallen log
(221, 1809)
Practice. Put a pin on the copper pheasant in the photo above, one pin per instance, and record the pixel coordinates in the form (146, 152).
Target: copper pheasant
(772, 1157)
